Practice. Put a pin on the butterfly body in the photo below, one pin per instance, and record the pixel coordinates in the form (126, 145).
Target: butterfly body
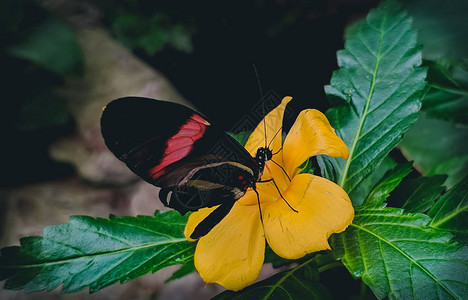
(177, 149)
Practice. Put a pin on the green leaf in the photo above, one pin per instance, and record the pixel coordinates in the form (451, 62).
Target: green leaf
(128, 28)
(417, 194)
(378, 86)
(441, 28)
(275, 260)
(447, 97)
(186, 269)
(451, 211)
(154, 40)
(365, 187)
(301, 282)
(387, 184)
(95, 253)
(52, 46)
(399, 256)
(308, 167)
(327, 169)
(437, 147)
(152, 34)
(180, 38)
(241, 137)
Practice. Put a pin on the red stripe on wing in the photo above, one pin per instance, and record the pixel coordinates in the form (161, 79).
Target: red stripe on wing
(180, 144)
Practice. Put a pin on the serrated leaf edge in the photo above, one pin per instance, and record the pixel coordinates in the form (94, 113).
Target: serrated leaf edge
(364, 115)
(89, 256)
(380, 239)
(455, 212)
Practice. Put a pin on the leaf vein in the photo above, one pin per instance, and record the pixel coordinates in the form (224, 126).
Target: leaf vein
(451, 215)
(409, 258)
(343, 179)
(144, 229)
(68, 260)
(385, 266)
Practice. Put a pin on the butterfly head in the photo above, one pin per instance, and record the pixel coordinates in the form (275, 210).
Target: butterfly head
(263, 155)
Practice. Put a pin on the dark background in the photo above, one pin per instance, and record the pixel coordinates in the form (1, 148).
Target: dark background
(292, 43)
(206, 50)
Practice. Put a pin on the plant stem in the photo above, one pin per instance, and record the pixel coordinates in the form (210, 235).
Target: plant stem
(329, 266)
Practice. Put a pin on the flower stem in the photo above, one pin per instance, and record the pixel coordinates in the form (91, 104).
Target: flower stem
(363, 290)
(330, 266)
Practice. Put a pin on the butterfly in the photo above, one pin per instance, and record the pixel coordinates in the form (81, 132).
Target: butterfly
(173, 147)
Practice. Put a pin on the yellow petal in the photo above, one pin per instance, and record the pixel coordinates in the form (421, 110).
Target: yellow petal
(323, 208)
(273, 121)
(311, 135)
(232, 253)
(250, 197)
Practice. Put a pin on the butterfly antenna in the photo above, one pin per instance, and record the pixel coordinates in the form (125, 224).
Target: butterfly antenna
(261, 99)
(277, 151)
(269, 144)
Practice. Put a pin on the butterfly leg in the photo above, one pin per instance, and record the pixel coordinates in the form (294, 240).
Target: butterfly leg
(284, 171)
(276, 186)
(258, 201)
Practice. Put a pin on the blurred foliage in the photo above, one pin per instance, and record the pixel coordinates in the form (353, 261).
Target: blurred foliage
(37, 52)
(417, 194)
(152, 34)
(442, 28)
(437, 147)
(442, 31)
(50, 45)
(447, 92)
(141, 25)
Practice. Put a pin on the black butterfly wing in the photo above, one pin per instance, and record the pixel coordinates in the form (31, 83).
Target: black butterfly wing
(211, 220)
(217, 183)
(175, 148)
(150, 136)
(209, 184)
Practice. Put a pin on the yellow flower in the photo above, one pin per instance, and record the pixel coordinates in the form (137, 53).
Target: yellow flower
(232, 253)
